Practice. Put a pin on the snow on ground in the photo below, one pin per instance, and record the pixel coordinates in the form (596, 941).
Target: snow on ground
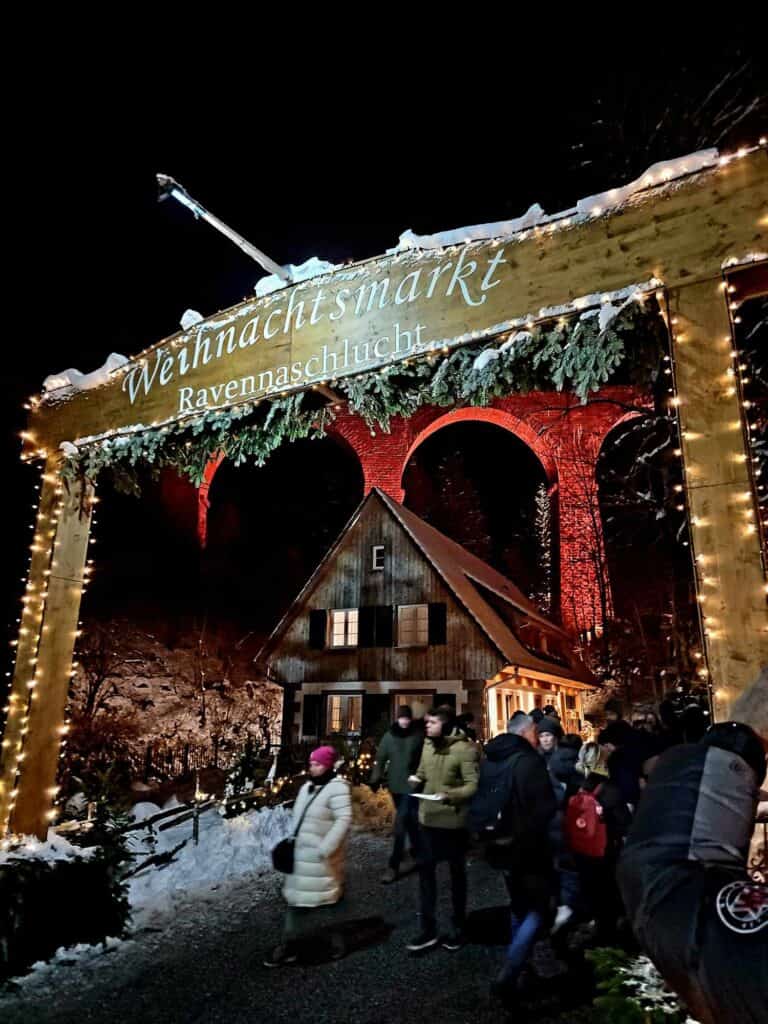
(228, 848)
(231, 852)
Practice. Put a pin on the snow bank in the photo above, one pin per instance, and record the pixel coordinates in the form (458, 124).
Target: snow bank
(229, 848)
(143, 810)
(45, 972)
(54, 848)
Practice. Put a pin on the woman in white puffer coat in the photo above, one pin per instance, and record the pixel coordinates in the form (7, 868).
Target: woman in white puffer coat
(316, 885)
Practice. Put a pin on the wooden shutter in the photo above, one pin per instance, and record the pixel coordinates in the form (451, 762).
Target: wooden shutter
(318, 620)
(438, 624)
(366, 627)
(384, 625)
(310, 718)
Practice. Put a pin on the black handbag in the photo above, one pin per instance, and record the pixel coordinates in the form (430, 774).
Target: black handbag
(282, 854)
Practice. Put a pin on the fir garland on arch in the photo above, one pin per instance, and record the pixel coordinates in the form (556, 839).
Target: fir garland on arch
(577, 355)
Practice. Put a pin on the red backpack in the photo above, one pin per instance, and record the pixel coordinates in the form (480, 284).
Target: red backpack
(585, 829)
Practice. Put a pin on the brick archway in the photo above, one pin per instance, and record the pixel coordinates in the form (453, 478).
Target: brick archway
(567, 438)
(499, 418)
(564, 434)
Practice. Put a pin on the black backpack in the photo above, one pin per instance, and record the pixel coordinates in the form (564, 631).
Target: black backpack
(492, 809)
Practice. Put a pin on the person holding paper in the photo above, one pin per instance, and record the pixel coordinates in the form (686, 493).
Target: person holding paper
(447, 776)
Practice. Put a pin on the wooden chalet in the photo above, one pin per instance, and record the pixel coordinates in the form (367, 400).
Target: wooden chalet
(396, 613)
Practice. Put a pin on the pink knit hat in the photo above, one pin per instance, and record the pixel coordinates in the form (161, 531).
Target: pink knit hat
(326, 756)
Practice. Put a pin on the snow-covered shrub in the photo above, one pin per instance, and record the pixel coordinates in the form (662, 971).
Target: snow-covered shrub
(54, 894)
(632, 991)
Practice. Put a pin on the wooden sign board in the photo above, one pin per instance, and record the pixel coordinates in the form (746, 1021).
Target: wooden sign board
(366, 316)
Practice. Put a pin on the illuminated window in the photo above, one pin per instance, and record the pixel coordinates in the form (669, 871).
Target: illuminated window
(412, 625)
(419, 703)
(344, 627)
(344, 713)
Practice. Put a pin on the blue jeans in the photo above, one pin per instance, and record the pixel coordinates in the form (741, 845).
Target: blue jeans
(406, 824)
(523, 931)
(570, 887)
(524, 925)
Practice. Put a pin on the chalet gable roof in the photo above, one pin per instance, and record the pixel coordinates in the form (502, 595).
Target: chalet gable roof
(466, 576)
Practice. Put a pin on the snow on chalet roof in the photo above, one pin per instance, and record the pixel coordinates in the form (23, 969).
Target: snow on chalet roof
(488, 597)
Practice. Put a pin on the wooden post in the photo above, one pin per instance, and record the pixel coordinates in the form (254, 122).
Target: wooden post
(44, 656)
(729, 571)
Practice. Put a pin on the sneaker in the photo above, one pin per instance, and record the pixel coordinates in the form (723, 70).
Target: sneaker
(562, 917)
(424, 940)
(455, 939)
(389, 876)
(280, 955)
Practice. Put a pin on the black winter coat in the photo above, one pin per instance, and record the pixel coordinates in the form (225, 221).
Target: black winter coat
(562, 768)
(525, 821)
(683, 878)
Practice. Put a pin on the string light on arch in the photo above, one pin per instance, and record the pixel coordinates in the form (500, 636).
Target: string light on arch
(752, 421)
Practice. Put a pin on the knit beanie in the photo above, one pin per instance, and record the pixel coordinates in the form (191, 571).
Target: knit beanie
(550, 725)
(326, 756)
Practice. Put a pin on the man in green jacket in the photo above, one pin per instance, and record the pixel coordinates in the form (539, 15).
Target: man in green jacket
(447, 774)
(397, 758)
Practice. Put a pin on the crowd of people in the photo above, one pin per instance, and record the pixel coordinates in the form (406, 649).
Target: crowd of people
(608, 834)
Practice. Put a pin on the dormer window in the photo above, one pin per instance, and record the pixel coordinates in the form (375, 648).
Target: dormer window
(377, 558)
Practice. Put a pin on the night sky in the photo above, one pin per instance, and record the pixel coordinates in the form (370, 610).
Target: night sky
(333, 159)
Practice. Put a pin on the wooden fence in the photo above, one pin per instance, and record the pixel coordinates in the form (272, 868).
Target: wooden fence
(169, 761)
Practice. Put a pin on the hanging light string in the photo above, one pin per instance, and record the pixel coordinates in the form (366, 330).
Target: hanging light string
(31, 628)
(34, 602)
(673, 414)
(563, 223)
(661, 180)
(754, 515)
(431, 352)
(88, 570)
